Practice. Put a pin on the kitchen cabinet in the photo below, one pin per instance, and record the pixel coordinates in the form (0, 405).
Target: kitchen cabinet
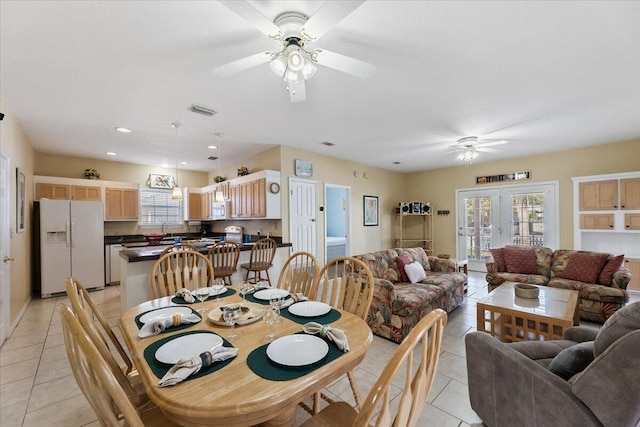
(45, 190)
(599, 195)
(121, 204)
(83, 192)
(633, 264)
(241, 198)
(223, 187)
(596, 221)
(630, 193)
(199, 205)
(256, 196)
(632, 221)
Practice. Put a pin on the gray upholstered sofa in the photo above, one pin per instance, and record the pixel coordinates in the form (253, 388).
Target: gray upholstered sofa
(591, 378)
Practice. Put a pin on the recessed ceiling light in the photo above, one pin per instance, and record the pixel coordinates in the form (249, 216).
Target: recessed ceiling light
(184, 163)
(110, 153)
(123, 130)
(212, 147)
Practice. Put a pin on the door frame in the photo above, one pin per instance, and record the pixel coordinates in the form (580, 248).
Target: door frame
(5, 228)
(347, 213)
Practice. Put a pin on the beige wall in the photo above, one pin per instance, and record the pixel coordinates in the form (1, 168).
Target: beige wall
(438, 186)
(14, 144)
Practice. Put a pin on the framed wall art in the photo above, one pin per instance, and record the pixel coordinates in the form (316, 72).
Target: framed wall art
(370, 210)
(304, 168)
(21, 197)
(160, 181)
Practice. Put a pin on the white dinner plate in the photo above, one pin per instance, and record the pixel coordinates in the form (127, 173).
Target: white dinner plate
(186, 347)
(309, 308)
(167, 311)
(255, 313)
(214, 292)
(265, 294)
(297, 350)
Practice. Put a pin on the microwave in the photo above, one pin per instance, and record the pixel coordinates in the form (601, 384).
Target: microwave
(221, 210)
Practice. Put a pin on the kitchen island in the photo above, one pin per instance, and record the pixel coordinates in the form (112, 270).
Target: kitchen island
(136, 265)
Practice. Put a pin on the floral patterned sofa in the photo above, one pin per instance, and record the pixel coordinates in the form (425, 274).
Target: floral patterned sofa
(398, 306)
(600, 277)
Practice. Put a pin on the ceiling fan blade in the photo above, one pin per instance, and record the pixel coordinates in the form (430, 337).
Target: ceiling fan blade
(243, 64)
(487, 150)
(327, 16)
(250, 14)
(344, 63)
(492, 143)
(450, 152)
(297, 91)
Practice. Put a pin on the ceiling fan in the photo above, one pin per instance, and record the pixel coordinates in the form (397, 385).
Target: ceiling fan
(469, 146)
(294, 62)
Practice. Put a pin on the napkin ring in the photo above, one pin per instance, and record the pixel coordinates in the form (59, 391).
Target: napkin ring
(323, 331)
(177, 320)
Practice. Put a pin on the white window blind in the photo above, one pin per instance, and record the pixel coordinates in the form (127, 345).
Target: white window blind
(157, 208)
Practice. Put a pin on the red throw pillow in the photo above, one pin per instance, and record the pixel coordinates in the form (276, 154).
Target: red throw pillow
(402, 261)
(520, 260)
(612, 265)
(585, 267)
(498, 257)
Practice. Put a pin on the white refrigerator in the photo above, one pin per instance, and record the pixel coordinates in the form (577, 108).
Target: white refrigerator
(71, 244)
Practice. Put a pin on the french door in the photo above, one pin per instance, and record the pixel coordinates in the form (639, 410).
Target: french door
(506, 215)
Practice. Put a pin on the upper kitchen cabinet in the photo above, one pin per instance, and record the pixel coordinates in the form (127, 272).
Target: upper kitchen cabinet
(223, 187)
(199, 204)
(121, 204)
(83, 192)
(45, 190)
(599, 195)
(256, 196)
(630, 193)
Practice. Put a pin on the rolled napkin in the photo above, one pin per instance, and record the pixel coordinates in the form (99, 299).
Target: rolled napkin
(158, 324)
(185, 368)
(186, 295)
(297, 297)
(337, 336)
(254, 288)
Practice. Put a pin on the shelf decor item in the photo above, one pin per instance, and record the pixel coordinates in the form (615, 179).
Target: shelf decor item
(218, 179)
(370, 210)
(91, 174)
(243, 170)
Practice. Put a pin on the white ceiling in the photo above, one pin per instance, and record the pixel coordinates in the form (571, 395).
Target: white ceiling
(546, 76)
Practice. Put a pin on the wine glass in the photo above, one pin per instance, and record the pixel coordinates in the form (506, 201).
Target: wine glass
(202, 294)
(218, 286)
(232, 313)
(270, 317)
(244, 289)
(276, 301)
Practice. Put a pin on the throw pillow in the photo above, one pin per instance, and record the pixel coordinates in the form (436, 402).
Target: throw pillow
(415, 272)
(612, 265)
(584, 267)
(572, 360)
(623, 321)
(402, 261)
(519, 259)
(498, 257)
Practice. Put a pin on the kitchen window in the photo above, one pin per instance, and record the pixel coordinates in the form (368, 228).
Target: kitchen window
(157, 208)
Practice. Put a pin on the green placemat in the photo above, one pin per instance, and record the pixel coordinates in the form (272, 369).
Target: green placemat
(171, 329)
(260, 364)
(160, 369)
(180, 300)
(331, 316)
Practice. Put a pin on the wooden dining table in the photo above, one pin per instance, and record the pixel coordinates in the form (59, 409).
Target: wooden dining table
(234, 395)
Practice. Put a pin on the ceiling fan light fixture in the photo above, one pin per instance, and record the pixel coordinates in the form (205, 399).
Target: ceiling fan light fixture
(279, 65)
(295, 60)
(467, 154)
(291, 76)
(309, 70)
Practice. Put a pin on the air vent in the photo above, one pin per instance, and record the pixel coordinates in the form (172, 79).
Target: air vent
(212, 158)
(397, 163)
(328, 144)
(202, 110)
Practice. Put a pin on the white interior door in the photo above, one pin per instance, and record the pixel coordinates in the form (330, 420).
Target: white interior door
(302, 215)
(5, 256)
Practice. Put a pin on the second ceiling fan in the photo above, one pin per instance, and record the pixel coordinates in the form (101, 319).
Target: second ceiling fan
(295, 62)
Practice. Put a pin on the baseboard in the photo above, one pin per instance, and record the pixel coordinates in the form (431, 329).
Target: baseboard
(19, 318)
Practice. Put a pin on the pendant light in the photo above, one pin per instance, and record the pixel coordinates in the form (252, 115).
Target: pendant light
(177, 191)
(219, 196)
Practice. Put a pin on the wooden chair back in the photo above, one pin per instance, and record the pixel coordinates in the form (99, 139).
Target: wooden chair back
(345, 283)
(184, 246)
(262, 253)
(224, 257)
(93, 375)
(180, 269)
(422, 342)
(298, 273)
(79, 299)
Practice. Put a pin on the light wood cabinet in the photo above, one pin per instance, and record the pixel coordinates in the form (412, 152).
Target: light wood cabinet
(249, 196)
(241, 198)
(258, 198)
(83, 192)
(121, 204)
(199, 205)
(596, 221)
(414, 230)
(632, 221)
(599, 195)
(633, 264)
(224, 188)
(630, 193)
(46, 190)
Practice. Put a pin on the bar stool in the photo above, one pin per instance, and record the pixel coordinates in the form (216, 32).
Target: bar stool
(224, 256)
(260, 259)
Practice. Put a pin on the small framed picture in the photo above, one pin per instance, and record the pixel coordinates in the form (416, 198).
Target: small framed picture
(21, 197)
(304, 168)
(160, 181)
(370, 210)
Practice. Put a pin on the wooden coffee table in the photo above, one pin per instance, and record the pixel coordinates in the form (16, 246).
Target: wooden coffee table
(510, 318)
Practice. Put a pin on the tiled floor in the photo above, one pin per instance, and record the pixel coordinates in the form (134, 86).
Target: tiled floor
(37, 387)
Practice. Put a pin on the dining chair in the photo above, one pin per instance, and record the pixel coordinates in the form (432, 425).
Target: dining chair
(345, 283)
(180, 269)
(260, 260)
(85, 311)
(224, 257)
(183, 246)
(298, 273)
(417, 359)
(97, 382)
